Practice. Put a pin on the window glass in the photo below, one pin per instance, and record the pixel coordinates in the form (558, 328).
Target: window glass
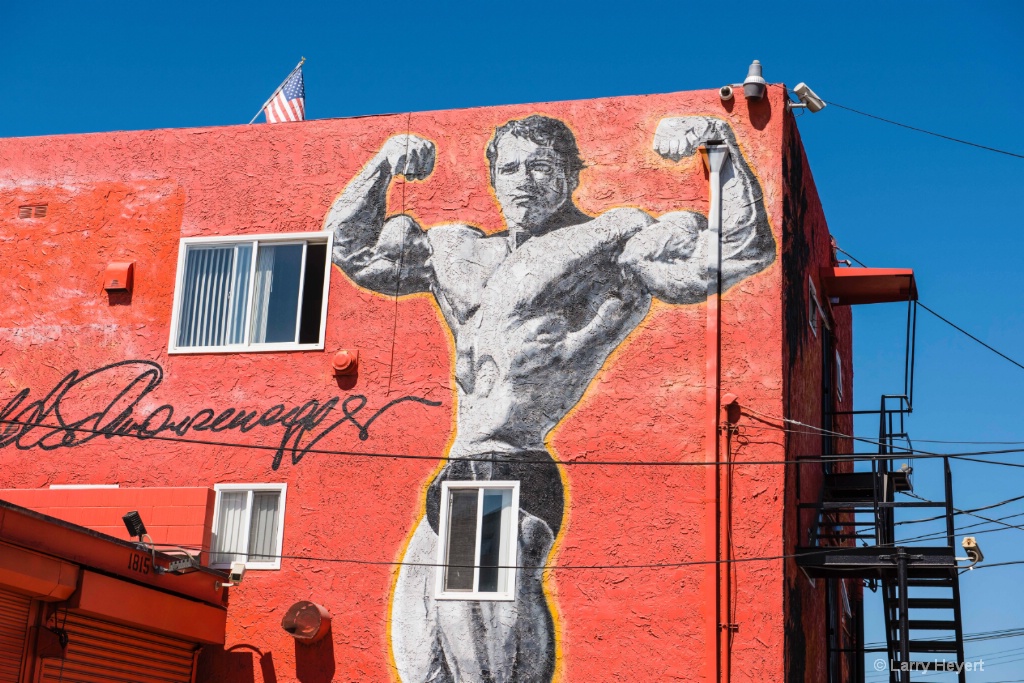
(461, 540)
(276, 294)
(493, 545)
(312, 293)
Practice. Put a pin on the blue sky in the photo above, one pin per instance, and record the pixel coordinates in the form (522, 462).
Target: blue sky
(892, 197)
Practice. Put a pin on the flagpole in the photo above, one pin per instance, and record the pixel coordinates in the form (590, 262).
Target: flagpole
(274, 94)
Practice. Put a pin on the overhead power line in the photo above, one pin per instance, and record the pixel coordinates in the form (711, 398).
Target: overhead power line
(926, 132)
(840, 458)
(963, 331)
(989, 565)
(852, 257)
(948, 322)
(830, 550)
(966, 512)
(977, 637)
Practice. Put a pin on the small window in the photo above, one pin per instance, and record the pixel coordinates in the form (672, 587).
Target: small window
(265, 293)
(839, 376)
(478, 540)
(248, 523)
(813, 307)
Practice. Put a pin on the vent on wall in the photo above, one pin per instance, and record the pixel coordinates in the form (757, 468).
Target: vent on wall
(32, 211)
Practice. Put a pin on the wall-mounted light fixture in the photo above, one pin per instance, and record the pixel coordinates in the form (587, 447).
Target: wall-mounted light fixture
(133, 522)
(306, 622)
(754, 84)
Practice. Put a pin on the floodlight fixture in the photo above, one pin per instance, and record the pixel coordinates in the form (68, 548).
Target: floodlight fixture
(133, 522)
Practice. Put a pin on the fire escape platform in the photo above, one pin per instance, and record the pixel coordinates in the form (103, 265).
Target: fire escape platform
(875, 562)
(852, 286)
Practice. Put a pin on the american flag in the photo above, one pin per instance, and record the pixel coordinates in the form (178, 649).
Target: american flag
(290, 102)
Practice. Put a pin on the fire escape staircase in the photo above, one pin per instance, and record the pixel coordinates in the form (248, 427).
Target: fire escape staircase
(854, 536)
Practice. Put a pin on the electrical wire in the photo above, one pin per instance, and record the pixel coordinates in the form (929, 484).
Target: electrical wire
(927, 132)
(990, 565)
(749, 412)
(979, 637)
(965, 512)
(841, 458)
(852, 257)
(967, 455)
(948, 322)
(914, 539)
(829, 550)
(982, 531)
(873, 441)
(963, 331)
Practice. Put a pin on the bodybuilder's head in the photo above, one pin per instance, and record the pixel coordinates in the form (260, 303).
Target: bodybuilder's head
(535, 167)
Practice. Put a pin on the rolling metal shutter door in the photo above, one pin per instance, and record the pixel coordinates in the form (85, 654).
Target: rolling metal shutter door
(104, 652)
(13, 629)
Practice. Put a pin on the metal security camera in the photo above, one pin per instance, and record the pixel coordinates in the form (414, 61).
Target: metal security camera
(808, 98)
(237, 573)
(725, 92)
(970, 546)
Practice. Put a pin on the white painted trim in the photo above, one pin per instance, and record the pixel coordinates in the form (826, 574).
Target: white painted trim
(85, 486)
(282, 489)
(304, 238)
(302, 288)
(511, 538)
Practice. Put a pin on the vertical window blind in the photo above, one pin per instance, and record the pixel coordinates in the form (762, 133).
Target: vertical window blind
(215, 286)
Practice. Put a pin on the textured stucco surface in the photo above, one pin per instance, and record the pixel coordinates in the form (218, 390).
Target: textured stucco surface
(132, 196)
(807, 248)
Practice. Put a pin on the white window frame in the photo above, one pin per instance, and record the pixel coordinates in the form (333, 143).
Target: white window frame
(249, 347)
(815, 312)
(282, 490)
(512, 539)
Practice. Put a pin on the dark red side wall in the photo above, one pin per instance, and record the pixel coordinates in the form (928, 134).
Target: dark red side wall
(806, 248)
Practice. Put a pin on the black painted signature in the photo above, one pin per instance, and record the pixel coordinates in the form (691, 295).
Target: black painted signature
(54, 421)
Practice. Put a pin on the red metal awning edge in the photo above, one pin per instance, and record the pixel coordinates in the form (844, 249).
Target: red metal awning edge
(852, 286)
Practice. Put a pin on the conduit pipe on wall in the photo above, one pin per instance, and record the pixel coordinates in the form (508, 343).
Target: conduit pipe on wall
(716, 155)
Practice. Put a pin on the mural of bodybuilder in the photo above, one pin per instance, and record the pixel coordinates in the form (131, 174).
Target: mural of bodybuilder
(535, 311)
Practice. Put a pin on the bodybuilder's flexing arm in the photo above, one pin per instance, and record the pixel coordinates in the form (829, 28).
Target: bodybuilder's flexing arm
(670, 254)
(371, 248)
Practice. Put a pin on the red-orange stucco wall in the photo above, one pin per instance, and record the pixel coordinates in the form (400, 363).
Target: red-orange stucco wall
(131, 196)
